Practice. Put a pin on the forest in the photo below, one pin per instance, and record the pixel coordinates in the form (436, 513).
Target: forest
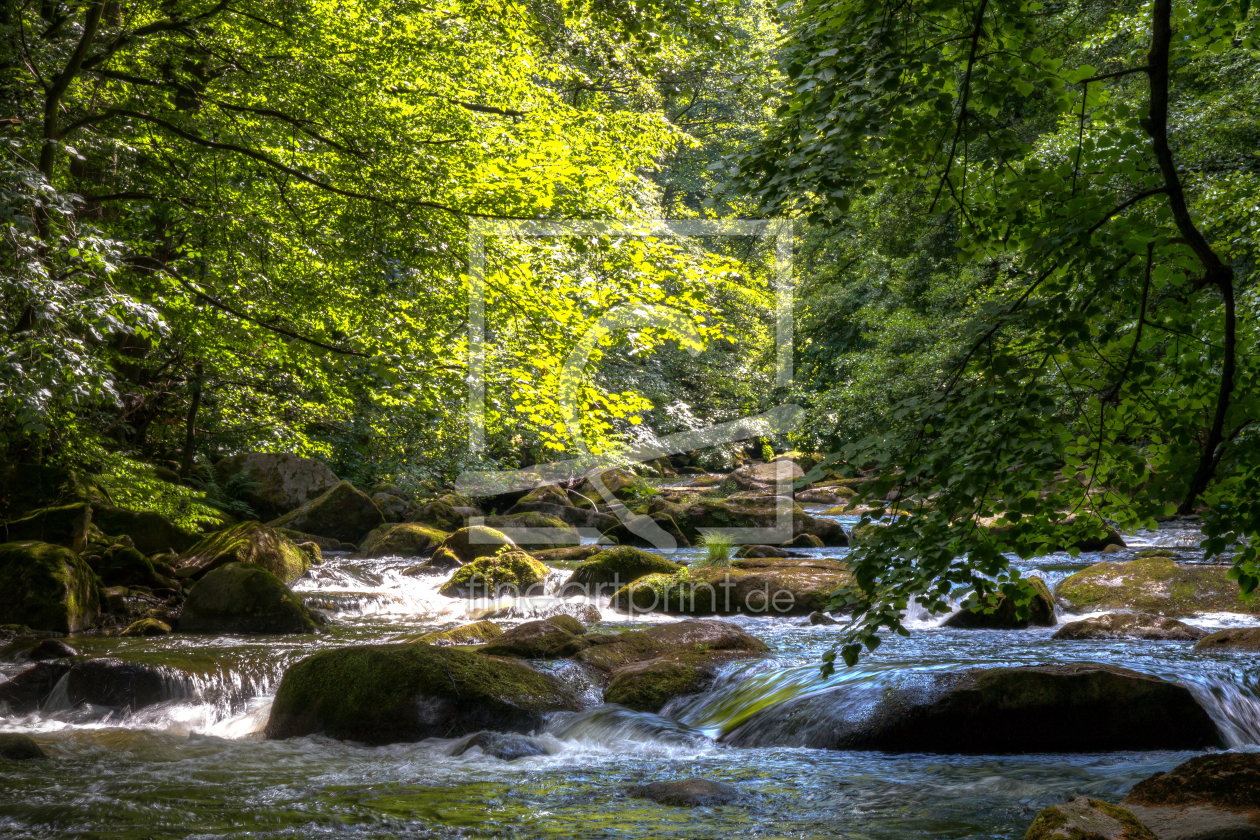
(345, 346)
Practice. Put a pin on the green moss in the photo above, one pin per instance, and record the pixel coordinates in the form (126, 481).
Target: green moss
(65, 525)
(648, 687)
(249, 542)
(47, 587)
(407, 539)
(123, 566)
(438, 514)
(244, 598)
(470, 634)
(17, 747)
(567, 623)
(385, 693)
(478, 541)
(514, 570)
(344, 513)
(147, 627)
(544, 529)
(618, 566)
(1154, 585)
(797, 589)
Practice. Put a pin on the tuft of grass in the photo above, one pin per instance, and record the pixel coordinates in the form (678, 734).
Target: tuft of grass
(718, 551)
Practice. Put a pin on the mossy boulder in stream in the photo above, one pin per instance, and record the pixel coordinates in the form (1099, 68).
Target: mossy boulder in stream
(1209, 796)
(1070, 708)
(122, 565)
(244, 598)
(1155, 628)
(510, 572)
(544, 639)
(477, 633)
(613, 568)
(344, 513)
(17, 747)
(406, 539)
(382, 694)
(702, 514)
(538, 529)
(250, 542)
(1087, 819)
(752, 586)
(1156, 585)
(1004, 615)
(439, 515)
(648, 686)
(469, 544)
(47, 587)
(1233, 638)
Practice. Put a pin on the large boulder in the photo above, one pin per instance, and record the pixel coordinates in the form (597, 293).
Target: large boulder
(249, 542)
(65, 525)
(1005, 616)
(392, 507)
(406, 539)
(613, 568)
(244, 598)
(649, 686)
(1234, 638)
(1156, 585)
(539, 529)
(1071, 708)
(344, 513)
(381, 694)
(438, 514)
(478, 541)
(1210, 796)
(513, 572)
(275, 483)
(47, 587)
(1154, 628)
(752, 586)
(1087, 819)
(545, 639)
(150, 532)
(611, 652)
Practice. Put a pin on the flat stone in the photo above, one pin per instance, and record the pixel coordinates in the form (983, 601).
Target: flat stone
(687, 793)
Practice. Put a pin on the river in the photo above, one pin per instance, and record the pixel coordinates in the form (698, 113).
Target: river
(196, 766)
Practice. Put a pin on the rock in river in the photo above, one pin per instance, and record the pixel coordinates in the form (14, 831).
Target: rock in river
(1235, 638)
(1212, 797)
(1087, 819)
(17, 747)
(381, 694)
(1005, 615)
(687, 793)
(243, 598)
(1155, 628)
(1154, 585)
(47, 587)
(344, 513)
(248, 542)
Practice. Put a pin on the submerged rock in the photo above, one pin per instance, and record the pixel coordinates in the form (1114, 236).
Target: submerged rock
(276, 483)
(17, 747)
(512, 571)
(687, 793)
(501, 745)
(244, 598)
(381, 694)
(1077, 707)
(477, 633)
(249, 542)
(1153, 585)
(344, 513)
(47, 587)
(613, 568)
(1211, 796)
(1130, 626)
(817, 618)
(1040, 612)
(545, 639)
(406, 539)
(1087, 819)
(1235, 638)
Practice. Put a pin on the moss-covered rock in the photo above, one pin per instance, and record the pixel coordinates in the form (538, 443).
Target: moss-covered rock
(548, 494)
(752, 586)
(25, 487)
(478, 541)
(687, 793)
(609, 653)
(146, 627)
(46, 650)
(392, 507)
(124, 566)
(275, 483)
(15, 746)
(477, 633)
(1087, 819)
(505, 746)
(1153, 585)
(1070, 708)
(621, 483)
(406, 539)
(1004, 614)
(47, 587)
(1224, 780)
(438, 514)
(625, 533)
(804, 541)
(567, 623)
(64, 525)
(532, 528)
(150, 532)
(249, 542)
(695, 517)
(572, 554)
(536, 640)
(381, 694)
(1155, 628)
(1235, 638)
(344, 513)
(510, 571)
(324, 543)
(244, 598)
(649, 686)
(613, 568)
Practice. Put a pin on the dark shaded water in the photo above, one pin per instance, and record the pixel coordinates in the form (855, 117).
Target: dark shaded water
(196, 767)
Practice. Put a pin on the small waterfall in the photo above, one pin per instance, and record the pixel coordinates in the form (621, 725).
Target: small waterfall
(1233, 701)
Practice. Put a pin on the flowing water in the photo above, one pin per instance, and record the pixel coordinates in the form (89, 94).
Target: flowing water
(196, 765)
